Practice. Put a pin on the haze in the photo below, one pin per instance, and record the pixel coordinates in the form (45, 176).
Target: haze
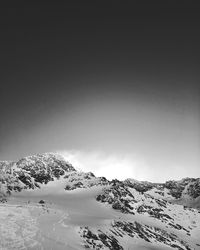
(115, 88)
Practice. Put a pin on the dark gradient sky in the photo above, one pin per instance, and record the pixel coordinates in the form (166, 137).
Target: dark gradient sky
(93, 77)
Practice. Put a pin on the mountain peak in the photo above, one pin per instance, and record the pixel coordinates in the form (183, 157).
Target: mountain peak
(93, 212)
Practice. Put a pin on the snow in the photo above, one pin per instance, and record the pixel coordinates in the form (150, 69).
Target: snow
(25, 224)
(54, 225)
(18, 228)
(58, 221)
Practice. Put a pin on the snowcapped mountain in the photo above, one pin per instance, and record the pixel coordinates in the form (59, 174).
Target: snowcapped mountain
(47, 204)
(31, 171)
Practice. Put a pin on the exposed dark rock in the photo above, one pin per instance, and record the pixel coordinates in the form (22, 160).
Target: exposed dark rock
(31, 171)
(41, 202)
(119, 196)
(99, 240)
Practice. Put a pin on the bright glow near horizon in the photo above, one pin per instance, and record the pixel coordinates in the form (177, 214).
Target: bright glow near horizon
(110, 166)
(122, 99)
(115, 166)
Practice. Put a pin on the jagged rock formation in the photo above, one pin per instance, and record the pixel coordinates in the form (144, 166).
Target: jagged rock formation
(164, 215)
(119, 229)
(30, 172)
(83, 180)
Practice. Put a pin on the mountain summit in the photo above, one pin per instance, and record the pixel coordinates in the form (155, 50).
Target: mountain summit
(45, 203)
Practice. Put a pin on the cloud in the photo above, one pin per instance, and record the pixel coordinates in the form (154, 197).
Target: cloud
(109, 165)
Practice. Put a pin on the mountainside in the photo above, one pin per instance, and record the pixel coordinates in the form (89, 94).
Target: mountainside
(46, 204)
(31, 171)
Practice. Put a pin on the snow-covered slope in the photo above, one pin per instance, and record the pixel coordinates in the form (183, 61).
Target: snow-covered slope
(185, 191)
(47, 204)
(30, 172)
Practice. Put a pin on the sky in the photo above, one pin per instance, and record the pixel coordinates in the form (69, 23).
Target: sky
(113, 86)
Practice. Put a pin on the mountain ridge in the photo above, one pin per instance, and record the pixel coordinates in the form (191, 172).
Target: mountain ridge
(140, 214)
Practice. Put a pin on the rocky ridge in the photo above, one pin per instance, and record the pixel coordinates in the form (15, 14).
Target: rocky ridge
(31, 171)
(154, 213)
